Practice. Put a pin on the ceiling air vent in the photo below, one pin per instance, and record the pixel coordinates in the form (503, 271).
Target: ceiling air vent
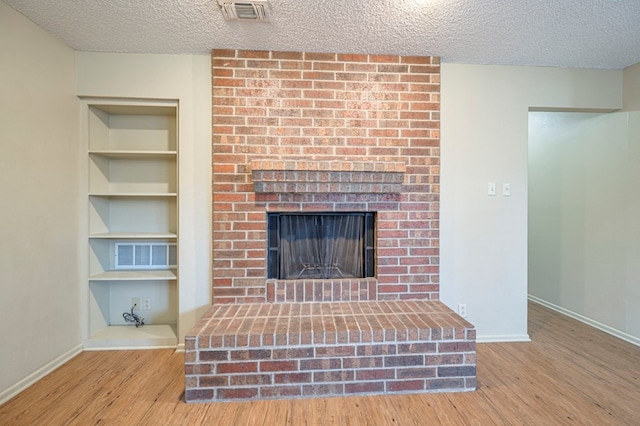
(255, 10)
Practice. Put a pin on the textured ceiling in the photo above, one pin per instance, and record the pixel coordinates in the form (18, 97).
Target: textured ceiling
(564, 33)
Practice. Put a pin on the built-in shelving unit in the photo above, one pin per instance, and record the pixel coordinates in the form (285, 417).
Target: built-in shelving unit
(132, 198)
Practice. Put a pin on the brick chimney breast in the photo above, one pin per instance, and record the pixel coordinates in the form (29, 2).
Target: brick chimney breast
(326, 132)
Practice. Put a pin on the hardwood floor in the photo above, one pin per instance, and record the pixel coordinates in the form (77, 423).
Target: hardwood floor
(569, 374)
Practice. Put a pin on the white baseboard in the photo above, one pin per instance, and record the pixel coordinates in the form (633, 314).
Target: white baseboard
(593, 323)
(503, 338)
(12, 391)
(126, 348)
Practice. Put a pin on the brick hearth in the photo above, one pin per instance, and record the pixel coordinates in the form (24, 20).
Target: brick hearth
(328, 349)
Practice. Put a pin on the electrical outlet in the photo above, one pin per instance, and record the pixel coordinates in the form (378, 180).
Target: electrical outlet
(135, 301)
(506, 189)
(146, 304)
(462, 310)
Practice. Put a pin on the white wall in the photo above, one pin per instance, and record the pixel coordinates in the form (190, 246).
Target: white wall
(39, 171)
(188, 79)
(632, 88)
(484, 114)
(583, 225)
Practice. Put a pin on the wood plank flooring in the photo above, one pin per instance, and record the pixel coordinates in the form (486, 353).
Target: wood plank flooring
(569, 374)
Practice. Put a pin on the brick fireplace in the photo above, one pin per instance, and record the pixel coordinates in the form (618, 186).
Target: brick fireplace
(309, 132)
(320, 133)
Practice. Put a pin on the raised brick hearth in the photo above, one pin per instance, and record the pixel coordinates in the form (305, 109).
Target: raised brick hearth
(281, 350)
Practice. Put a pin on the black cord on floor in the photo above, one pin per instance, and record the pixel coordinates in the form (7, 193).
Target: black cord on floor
(131, 317)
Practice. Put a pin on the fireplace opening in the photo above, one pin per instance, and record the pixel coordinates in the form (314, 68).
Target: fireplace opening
(320, 246)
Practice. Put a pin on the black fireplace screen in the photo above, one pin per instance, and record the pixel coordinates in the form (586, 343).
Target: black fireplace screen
(323, 246)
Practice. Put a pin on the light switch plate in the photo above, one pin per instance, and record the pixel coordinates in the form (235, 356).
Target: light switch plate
(492, 188)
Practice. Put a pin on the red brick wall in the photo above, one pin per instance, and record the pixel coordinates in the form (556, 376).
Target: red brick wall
(325, 108)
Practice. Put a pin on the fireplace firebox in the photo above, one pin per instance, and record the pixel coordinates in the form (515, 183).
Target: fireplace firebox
(320, 246)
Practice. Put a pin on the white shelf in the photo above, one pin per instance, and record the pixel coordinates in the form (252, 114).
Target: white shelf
(133, 194)
(135, 172)
(144, 275)
(131, 337)
(133, 216)
(134, 236)
(135, 108)
(133, 154)
(132, 127)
